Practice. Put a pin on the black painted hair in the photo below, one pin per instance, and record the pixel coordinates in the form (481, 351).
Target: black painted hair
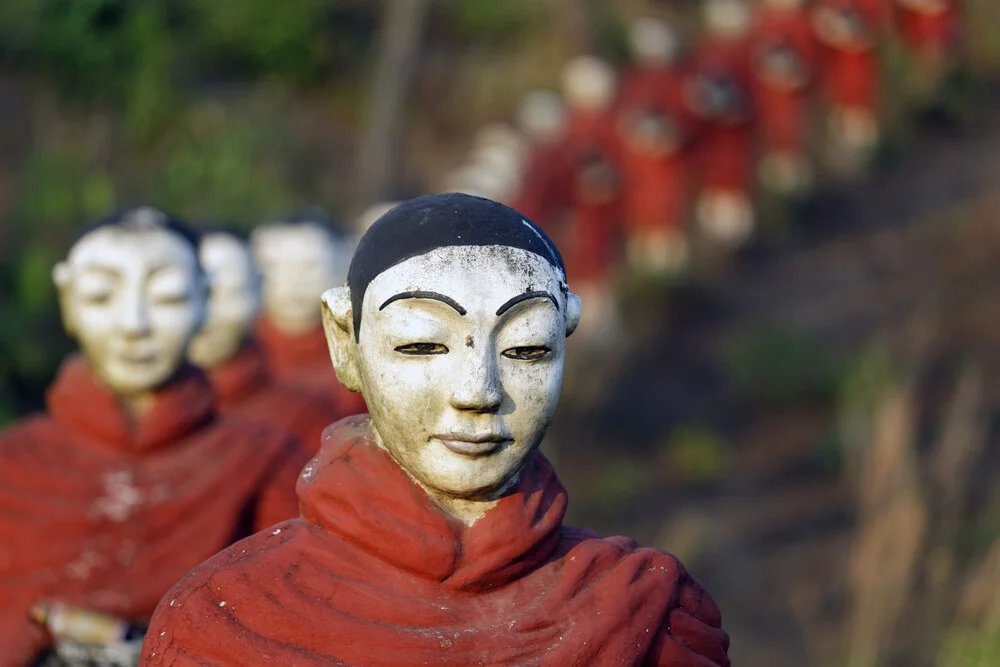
(426, 223)
(146, 217)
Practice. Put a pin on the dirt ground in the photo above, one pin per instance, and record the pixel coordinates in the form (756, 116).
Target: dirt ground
(770, 529)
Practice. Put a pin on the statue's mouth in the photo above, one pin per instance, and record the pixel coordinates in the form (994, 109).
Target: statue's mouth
(473, 444)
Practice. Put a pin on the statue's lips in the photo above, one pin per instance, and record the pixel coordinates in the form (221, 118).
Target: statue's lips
(472, 444)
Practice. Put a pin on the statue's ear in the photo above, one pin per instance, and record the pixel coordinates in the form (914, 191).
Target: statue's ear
(573, 310)
(62, 277)
(338, 324)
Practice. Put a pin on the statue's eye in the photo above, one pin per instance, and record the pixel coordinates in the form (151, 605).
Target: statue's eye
(527, 353)
(422, 349)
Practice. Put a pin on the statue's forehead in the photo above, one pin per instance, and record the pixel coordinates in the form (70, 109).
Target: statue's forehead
(486, 271)
(118, 247)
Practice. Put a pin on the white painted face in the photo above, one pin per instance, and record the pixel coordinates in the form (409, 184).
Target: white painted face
(654, 41)
(542, 115)
(133, 299)
(589, 83)
(460, 359)
(233, 301)
(728, 19)
(297, 263)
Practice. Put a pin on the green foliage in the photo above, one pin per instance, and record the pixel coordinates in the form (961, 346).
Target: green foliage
(697, 453)
(967, 648)
(777, 366)
(621, 480)
(494, 21)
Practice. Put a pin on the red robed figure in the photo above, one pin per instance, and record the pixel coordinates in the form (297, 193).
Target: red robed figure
(242, 387)
(374, 574)
(850, 60)
(785, 60)
(720, 95)
(596, 214)
(106, 512)
(655, 132)
(929, 27)
(546, 192)
(303, 362)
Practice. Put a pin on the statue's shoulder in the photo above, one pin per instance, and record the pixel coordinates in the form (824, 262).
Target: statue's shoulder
(20, 438)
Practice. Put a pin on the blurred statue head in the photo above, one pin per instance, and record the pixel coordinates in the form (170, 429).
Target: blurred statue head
(728, 19)
(233, 301)
(542, 116)
(453, 325)
(371, 214)
(784, 4)
(654, 42)
(133, 294)
(589, 83)
(297, 259)
(498, 135)
(481, 180)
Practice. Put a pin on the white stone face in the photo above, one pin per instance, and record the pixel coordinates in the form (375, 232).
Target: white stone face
(542, 116)
(589, 83)
(297, 263)
(727, 18)
(654, 41)
(233, 302)
(133, 299)
(460, 401)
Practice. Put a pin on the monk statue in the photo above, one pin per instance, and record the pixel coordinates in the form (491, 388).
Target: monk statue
(298, 259)
(129, 479)
(232, 359)
(432, 529)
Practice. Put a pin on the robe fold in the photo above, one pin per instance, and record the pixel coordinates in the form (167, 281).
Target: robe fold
(242, 388)
(105, 512)
(655, 176)
(546, 191)
(930, 30)
(303, 362)
(374, 574)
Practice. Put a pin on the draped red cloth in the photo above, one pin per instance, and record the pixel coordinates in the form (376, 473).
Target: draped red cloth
(374, 574)
(106, 512)
(655, 180)
(850, 69)
(546, 193)
(783, 101)
(242, 387)
(303, 361)
(725, 146)
(596, 215)
(929, 31)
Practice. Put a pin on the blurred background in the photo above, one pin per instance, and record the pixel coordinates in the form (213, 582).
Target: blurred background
(809, 422)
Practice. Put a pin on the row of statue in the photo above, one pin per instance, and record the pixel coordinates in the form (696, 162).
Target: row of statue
(617, 162)
(194, 494)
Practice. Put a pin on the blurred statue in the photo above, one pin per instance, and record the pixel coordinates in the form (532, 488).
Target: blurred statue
(298, 259)
(481, 180)
(785, 61)
(545, 195)
(129, 479)
(590, 90)
(370, 215)
(720, 95)
(233, 361)
(656, 132)
(931, 30)
(847, 30)
(432, 531)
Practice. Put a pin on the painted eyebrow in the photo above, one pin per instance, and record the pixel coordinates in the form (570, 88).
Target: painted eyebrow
(421, 294)
(527, 296)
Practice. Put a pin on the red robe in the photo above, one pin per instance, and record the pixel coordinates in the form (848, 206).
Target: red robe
(106, 515)
(546, 191)
(594, 226)
(655, 177)
(782, 96)
(242, 388)
(929, 31)
(374, 574)
(304, 362)
(725, 146)
(850, 70)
